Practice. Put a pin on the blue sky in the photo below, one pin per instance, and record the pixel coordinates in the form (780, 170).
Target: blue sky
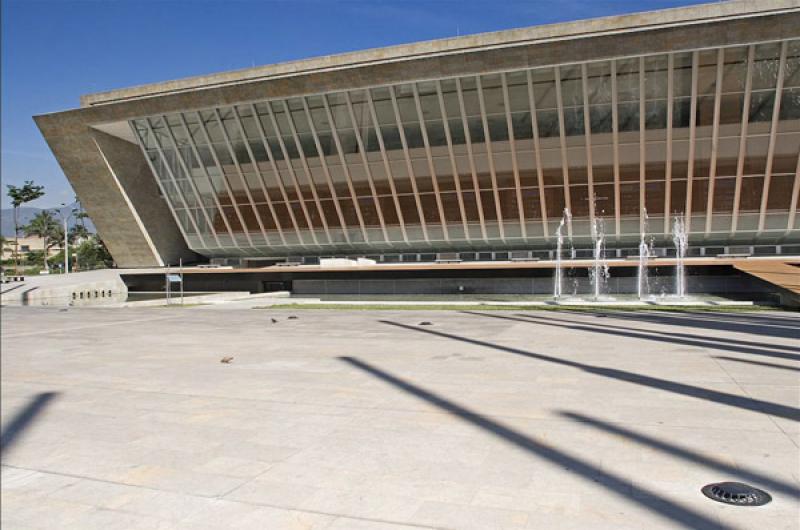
(53, 51)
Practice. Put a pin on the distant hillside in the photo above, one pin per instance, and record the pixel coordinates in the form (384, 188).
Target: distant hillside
(27, 213)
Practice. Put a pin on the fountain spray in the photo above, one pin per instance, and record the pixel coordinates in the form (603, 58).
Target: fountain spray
(558, 281)
(642, 280)
(600, 268)
(680, 239)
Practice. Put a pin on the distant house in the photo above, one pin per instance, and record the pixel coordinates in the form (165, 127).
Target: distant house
(26, 245)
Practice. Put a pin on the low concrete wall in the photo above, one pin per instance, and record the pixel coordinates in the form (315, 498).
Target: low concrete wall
(192, 299)
(76, 292)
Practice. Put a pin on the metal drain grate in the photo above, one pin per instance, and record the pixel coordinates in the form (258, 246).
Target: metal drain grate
(736, 493)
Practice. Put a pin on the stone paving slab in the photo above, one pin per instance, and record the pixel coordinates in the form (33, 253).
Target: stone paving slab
(125, 418)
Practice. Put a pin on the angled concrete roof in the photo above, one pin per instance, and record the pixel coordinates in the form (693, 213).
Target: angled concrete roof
(698, 14)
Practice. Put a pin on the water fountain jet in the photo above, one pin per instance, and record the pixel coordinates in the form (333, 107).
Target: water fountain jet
(680, 239)
(558, 280)
(599, 273)
(642, 278)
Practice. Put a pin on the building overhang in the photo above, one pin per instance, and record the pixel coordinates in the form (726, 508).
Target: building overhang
(447, 53)
(98, 153)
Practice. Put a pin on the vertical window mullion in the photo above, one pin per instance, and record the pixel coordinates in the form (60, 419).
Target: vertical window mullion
(345, 169)
(224, 179)
(453, 165)
(615, 141)
(471, 158)
(178, 190)
(514, 162)
(386, 165)
(692, 137)
(712, 173)
(261, 175)
(245, 185)
(364, 160)
(642, 150)
(409, 166)
(772, 131)
(290, 169)
(158, 181)
(324, 165)
(748, 91)
(668, 165)
(190, 180)
(537, 153)
(293, 173)
(587, 134)
(203, 169)
(490, 159)
(563, 146)
(426, 145)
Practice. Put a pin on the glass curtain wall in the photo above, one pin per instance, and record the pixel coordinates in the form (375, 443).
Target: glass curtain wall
(492, 161)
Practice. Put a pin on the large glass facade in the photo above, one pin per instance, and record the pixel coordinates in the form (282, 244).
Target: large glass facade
(492, 161)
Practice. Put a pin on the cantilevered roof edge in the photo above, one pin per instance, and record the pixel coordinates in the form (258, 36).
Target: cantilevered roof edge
(698, 14)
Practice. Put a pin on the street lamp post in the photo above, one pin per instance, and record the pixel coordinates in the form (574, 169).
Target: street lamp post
(66, 247)
(65, 218)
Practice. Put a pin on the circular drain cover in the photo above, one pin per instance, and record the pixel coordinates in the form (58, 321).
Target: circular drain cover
(736, 493)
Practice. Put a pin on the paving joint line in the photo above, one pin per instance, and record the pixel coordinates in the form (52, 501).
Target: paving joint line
(746, 393)
(218, 498)
(74, 328)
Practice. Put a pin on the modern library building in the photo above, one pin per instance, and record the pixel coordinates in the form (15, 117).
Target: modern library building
(479, 147)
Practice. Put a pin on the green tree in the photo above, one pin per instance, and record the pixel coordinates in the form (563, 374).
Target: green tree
(20, 195)
(80, 214)
(4, 247)
(78, 233)
(34, 258)
(93, 254)
(44, 225)
(56, 260)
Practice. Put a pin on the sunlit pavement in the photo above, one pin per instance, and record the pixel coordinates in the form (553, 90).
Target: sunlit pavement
(126, 418)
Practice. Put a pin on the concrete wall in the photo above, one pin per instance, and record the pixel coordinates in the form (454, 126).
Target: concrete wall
(96, 291)
(721, 285)
(137, 233)
(720, 280)
(150, 209)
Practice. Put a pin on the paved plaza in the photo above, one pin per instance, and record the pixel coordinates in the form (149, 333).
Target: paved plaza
(127, 419)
